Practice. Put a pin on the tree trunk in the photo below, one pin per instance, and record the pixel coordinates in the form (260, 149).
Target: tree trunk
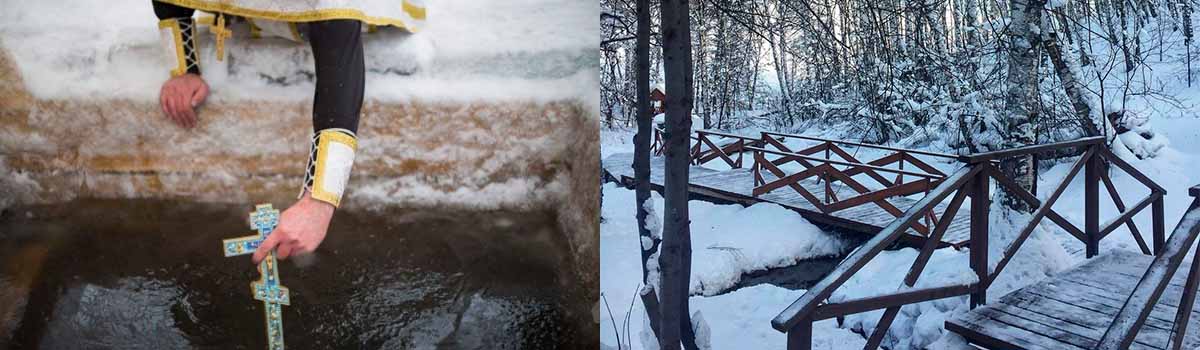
(676, 254)
(1022, 97)
(641, 162)
(1066, 67)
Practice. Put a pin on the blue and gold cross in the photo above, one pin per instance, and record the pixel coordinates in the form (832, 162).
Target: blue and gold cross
(267, 288)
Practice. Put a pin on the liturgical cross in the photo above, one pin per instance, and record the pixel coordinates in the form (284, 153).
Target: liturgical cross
(267, 288)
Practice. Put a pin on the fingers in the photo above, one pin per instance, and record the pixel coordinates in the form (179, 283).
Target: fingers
(164, 99)
(301, 249)
(266, 247)
(186, 112)
(173, 108)
(285, 250)
(182, 110)
(162, 102)
(199, 95)
(179, 102)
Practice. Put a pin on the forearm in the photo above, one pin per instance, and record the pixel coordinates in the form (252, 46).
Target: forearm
(337, 104)
(338, 52)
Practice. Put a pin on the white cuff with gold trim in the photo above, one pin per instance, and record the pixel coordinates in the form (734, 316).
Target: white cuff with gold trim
(329, 164)
(178, 39)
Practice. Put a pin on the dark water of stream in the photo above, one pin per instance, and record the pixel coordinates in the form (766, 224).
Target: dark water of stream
(150, 274)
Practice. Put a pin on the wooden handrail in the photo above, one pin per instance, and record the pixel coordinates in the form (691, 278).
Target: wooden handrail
(718, 133)
(867, 145)
(901, 298)
(1152, 284)
(972, 180)
(1006, 153)
(803, 307)
(830, 161)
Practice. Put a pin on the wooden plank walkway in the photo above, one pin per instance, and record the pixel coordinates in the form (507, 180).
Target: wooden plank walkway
(736, 186)
(1073, 309)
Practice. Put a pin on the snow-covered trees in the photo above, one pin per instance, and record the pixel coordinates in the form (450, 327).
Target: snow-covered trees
(917, 70)
(1020, 102)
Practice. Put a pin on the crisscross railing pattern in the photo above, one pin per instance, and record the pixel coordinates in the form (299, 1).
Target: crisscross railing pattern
(830, 171)
(973, 181)
(656, 145)
(707, 148)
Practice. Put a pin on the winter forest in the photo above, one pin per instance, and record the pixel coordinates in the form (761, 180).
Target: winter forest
(904, 69)
(954, 85)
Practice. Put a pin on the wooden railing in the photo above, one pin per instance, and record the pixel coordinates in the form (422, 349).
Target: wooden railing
(706, 149)
(656, 145)
(829, 171)
(972, 180)
(1150, 288)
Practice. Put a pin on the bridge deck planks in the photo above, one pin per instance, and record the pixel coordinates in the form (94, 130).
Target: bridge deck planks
(736, 185)
(1074, 308)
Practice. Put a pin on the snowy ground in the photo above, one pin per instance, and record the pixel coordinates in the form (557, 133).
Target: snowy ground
(729, 240)
(741, 319)
(516, 54)
(511, 50)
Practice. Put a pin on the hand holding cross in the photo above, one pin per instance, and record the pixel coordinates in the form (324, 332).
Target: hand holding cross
(267, 288)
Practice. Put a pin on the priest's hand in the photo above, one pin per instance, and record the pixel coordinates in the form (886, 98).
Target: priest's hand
(180, 96)
(301, 229)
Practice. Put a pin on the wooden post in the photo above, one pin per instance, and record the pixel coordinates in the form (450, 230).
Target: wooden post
(980, 202)
(756, 169)
(1159, 228)
(828, 186)
(1091, 206)
(800, 336)
(824, 175)
(741, 148)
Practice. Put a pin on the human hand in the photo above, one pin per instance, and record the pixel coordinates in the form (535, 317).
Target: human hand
(301, 229)
(180, 96)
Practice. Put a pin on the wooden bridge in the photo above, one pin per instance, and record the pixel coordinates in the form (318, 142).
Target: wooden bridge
(831, 186)
(1115, 300)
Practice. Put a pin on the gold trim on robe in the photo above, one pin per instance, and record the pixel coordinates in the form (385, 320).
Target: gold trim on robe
(414, 11)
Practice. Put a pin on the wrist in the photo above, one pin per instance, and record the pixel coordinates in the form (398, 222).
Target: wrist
(324, 206)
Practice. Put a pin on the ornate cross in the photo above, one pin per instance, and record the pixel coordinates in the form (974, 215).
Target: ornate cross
(267, 288)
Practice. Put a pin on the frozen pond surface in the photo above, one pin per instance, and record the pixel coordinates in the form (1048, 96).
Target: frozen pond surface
(150, 274)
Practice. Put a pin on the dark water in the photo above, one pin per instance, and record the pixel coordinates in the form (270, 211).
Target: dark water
(149, 274)
(805, 273)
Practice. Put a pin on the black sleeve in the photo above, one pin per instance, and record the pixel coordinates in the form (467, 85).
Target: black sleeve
(164, 10)
(184, 16)
(338, 52)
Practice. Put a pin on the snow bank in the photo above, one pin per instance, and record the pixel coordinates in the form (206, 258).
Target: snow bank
(742, 320)
(513, 50)
(485, 107)
(728, 241)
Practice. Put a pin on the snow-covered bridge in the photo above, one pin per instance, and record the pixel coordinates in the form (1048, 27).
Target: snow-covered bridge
(1115, 300)
(823, 182)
